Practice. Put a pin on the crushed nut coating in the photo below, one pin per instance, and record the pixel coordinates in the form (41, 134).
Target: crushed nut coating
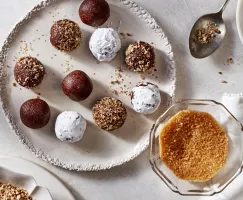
(29, 72)
(206, 34)
(65, 35)
(109, 113)
(193, 145)
(11, 192)
(140, 57)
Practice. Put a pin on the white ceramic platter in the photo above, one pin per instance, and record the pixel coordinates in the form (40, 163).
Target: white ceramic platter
(239, 19)
(27, 175)
(98, 150)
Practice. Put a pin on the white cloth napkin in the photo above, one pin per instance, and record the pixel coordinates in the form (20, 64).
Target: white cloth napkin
(234, 103)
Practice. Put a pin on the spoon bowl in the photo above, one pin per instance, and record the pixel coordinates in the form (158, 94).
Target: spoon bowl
(199, 50)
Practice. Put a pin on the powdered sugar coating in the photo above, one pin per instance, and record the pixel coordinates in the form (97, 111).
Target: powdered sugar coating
(70, 126)
(146, 98)
(104, 44)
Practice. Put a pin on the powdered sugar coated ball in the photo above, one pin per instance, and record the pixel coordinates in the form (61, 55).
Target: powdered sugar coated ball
(146, 98)
(70, 126)
(104, 44)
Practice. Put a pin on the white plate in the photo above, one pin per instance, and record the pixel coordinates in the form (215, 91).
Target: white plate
(239, 19)
(41, 176)
(98, 150)
(24, 181)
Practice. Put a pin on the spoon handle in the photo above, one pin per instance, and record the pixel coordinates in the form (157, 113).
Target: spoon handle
(224, 6)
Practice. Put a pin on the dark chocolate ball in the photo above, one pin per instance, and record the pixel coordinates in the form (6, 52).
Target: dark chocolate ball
(77, 85)
(29, 72)
(94, 12)
(65, 35)
(35, 113)
(140, 57)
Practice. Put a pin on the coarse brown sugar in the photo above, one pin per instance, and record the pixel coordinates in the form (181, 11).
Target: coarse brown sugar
(193, 145)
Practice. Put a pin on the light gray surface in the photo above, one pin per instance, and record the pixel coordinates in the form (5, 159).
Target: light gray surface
(196, 79)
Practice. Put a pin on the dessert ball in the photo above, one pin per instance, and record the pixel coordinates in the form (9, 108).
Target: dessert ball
(109, 113)
(35, 113)
(104, 44)
(77, 85)
(70, 126)
(94, 12)
(145, 98)
(29, 72)
(140, 57)
(65, 35)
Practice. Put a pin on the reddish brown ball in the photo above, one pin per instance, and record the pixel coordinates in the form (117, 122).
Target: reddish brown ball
(94, 12)
(35, 113)
(77, 85)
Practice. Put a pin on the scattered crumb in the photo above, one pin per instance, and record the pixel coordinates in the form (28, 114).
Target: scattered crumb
(115, 92)
(8, 66)
(38, 93)
(220, 73)
(129, 34)
(142, 77)
(119, 69)
(224, 82)
(230, 60)
(115, 82)
(122, 34)
(14, 84)
(38, 97)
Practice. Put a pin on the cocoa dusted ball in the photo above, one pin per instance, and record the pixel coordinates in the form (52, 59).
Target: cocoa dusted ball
(65, 35)
(109, 113)
(140, 56)
(29, 72)
(35, 113)
(94, 12)
(77, 85)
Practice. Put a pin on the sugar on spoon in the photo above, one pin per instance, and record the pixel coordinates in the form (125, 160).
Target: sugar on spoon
(207, 34)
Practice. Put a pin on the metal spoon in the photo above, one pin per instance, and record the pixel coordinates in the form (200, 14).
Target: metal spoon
(199, 50)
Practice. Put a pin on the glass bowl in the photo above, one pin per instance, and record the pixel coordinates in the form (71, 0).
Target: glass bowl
(226, 175)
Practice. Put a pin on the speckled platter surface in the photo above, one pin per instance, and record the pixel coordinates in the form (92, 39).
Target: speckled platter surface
(98, 149)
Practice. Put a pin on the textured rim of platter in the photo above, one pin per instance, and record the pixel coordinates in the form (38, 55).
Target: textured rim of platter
(140, 13)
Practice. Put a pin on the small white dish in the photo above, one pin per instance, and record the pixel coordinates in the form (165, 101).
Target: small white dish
(239, 19)
(42, 176)
(26, 182)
